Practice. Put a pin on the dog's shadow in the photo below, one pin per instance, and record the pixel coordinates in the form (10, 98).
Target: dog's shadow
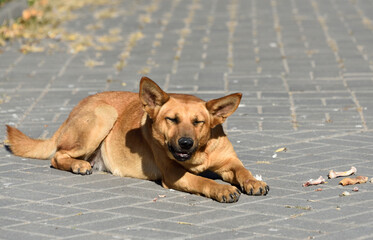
(7, 148)
(206, 174)
(210, 175)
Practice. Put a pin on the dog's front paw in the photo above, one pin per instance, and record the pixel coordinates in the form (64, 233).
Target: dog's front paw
(226, 194)
(255, 187)
(81, 167)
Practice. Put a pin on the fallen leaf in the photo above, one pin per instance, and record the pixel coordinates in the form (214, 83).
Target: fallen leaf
(31, 48)
(103, 48)
(120, 65)
(106, 13)
(144, 71)
(308, 208)
(296, 215)
(184, 223)
(70, 36)
(352, 181)
(145, 18)
(281, 150)
(109, 39)
(78, 47)
(114, 31)
(92, 63)
(94, 26)
(263, 162)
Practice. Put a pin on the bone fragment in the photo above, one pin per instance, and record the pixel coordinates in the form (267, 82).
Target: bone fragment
(334, 174)
(345, 193)
(310, 182)
(352, 181)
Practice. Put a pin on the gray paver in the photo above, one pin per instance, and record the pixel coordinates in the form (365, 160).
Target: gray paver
(306, 74)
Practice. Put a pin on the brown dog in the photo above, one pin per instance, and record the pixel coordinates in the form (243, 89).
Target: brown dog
(154, 136)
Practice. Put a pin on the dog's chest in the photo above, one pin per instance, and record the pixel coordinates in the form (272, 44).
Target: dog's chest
(198, 164)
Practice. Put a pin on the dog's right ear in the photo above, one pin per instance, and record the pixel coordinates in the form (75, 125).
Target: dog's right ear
(152, 96)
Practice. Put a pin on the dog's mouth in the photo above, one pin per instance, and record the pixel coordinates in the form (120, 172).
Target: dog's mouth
(181, 155)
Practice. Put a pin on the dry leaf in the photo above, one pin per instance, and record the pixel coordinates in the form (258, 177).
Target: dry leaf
(308, 208)
(94, 26)
(78, 47)
(145, 18)
(70, 36)
(144, 71)
(281, 150)
(296, 215)
(103, 48)
(114, 31)
(109, 39)
(352, 181)
(106, 13)
(92, 63)
(263, 162)
(184, 223)
(120, 65)
(31, 48)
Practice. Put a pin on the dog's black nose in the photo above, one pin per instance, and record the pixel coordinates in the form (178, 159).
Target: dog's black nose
(186, 143)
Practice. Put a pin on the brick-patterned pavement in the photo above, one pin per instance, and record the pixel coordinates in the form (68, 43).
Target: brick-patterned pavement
(305, 69)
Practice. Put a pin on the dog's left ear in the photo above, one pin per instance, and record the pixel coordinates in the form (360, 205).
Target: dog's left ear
(152, 96)
(222, 108)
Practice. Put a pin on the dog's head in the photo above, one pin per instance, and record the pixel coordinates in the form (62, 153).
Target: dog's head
(182, 123)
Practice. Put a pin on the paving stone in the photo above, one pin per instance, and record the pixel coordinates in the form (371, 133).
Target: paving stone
(10, 234)
(51, 231)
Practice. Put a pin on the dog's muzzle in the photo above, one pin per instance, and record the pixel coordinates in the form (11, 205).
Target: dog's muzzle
(184, 150)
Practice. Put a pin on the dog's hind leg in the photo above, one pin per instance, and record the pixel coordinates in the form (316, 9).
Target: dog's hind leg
(80, 137)
(62, 160)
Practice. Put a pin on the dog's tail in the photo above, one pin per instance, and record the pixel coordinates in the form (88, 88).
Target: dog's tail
(24, 146)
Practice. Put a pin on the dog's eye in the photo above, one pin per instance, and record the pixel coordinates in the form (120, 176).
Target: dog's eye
(174, 120)
(196, 122)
